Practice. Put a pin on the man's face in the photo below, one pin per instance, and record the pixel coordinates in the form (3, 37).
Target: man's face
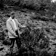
(13, 16)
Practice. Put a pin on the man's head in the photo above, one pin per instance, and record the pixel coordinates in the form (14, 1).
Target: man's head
(12, 15)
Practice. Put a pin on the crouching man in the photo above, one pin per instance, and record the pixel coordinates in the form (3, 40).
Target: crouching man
(13, 27)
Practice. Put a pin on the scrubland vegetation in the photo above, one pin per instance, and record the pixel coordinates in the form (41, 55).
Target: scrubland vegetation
(39, 38)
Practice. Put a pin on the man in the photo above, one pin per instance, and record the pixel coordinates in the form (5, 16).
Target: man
(13, 27)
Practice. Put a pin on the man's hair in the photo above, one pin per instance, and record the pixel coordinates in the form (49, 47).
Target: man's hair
(12, 13)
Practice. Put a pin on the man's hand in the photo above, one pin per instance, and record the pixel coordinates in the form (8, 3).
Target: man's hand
(23, 26)
(15, 35)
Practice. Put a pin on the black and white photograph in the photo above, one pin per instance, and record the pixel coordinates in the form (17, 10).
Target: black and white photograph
(27, 27)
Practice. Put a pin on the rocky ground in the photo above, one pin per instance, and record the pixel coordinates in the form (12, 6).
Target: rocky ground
(37, 24)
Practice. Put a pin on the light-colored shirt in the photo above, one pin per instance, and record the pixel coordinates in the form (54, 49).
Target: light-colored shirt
(14, 22)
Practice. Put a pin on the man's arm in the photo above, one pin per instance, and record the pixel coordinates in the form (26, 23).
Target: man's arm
(20, 24)
(8, 25)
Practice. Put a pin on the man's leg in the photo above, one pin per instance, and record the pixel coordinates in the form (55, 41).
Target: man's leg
(12, 44)
(18, 40)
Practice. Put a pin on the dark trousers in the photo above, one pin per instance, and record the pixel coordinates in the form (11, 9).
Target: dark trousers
(17, 39)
